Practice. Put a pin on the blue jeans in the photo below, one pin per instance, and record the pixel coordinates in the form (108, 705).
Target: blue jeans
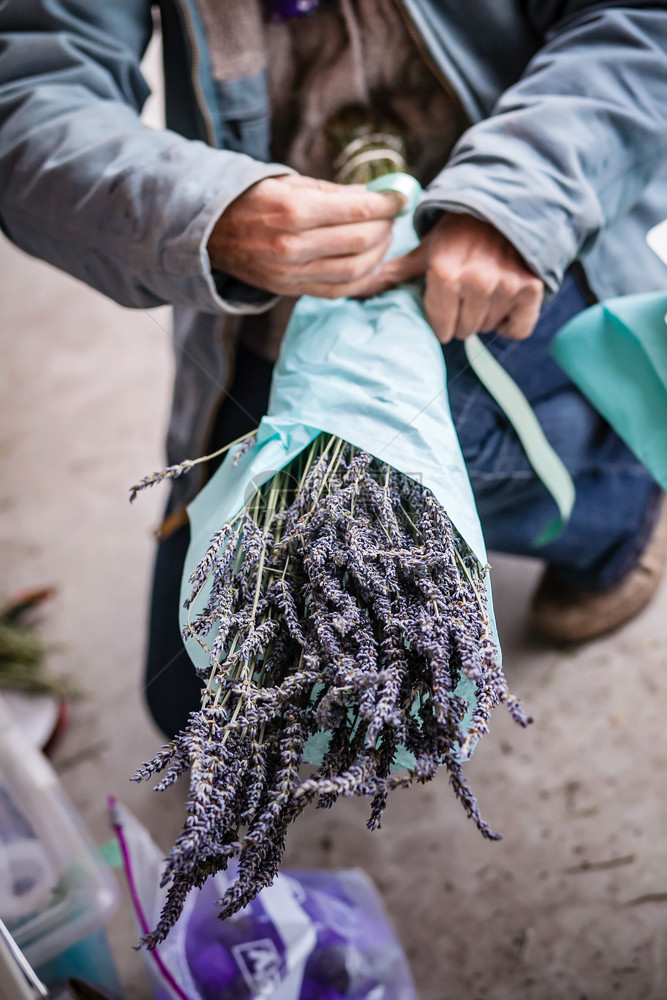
(612, 518)
(617, 499)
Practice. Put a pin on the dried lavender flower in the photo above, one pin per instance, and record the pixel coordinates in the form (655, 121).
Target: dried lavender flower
(342, 600)
(171, 472)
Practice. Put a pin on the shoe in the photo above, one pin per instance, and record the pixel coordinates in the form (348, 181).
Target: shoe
(563, 613)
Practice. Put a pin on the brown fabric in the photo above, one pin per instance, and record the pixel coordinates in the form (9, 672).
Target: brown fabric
(354, 52)
(172, 523)
(236, 31)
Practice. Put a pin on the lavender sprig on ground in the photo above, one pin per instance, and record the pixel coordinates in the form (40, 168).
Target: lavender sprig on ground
(341, 600)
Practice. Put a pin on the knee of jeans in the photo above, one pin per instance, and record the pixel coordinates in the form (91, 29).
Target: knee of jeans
(478, 425)
(492, 450)
(502, 494)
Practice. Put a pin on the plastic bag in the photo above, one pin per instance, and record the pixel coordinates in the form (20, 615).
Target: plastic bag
(312, 935)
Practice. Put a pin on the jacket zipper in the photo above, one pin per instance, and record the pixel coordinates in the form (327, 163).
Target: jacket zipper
(195, 69)
(428, 59)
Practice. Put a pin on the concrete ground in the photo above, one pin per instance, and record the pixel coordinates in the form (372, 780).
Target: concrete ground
(572, 903)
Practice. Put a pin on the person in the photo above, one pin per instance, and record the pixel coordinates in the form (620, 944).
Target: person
(540, 129)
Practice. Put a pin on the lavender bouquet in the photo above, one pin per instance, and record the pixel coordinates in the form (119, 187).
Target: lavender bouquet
(335, 602)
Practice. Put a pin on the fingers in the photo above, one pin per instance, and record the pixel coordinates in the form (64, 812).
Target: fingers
(441, 304)
(328, 277)
(333, 241)
(343, 270)
(476, 282)
(342, 207)
(523, 315)
(472, 312)
(286, 232)
(398, 271)
(458, 312)
(294, 235)
(302, 181)
(305, 203)
(362, 276)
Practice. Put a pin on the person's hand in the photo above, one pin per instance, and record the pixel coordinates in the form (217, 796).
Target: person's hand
(293, 235)
(476, 281)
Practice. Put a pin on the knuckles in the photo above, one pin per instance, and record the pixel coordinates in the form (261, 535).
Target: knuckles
(536, 289)
(290, 216)
(508, 287)
(440, 273)
(486, 282)
(350, 269)
(362, 212)
(285, 247)
(478, 283)
(357, 243)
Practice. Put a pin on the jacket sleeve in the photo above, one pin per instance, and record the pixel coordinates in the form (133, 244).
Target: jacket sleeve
(572, 145)
(84, 184)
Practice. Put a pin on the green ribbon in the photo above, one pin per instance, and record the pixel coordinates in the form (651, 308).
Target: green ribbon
(544, 460)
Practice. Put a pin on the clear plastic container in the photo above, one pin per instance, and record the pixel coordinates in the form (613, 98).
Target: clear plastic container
(56, 893)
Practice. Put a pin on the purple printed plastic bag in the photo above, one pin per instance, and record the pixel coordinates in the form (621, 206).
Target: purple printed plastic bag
(312, 935)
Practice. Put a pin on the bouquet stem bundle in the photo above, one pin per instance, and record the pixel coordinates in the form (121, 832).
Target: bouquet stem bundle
(339, 600)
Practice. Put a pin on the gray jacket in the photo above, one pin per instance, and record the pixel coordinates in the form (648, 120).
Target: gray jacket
(566, 153)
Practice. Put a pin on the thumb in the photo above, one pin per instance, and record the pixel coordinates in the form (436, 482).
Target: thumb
(398, 270)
